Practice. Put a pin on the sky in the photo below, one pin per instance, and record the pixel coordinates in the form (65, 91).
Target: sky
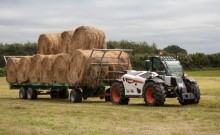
(191, 24)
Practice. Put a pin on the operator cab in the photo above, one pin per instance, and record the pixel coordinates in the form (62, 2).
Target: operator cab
(164, 65)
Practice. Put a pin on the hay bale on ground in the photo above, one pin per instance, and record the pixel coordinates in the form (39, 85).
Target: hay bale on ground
(35, 68)
(66, 40)
(11, 69)
(23, 69)
(47, 69)
(49, 44)
(87, 37)
(61, 67)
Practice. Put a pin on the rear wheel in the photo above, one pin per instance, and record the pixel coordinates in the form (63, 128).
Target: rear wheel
(31, 93)
(76, 96)
(23, 93)
(117, 94)
(154, 94)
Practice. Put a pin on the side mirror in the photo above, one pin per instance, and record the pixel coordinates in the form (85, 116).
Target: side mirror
(147, 65)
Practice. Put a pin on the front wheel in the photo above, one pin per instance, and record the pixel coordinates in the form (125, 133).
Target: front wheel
(117, 94)
(154, 94)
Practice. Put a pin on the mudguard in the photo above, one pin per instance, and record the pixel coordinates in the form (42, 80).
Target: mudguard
(191, 80)
(155, 80)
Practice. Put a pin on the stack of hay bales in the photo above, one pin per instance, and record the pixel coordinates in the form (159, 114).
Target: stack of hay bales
(65, 58)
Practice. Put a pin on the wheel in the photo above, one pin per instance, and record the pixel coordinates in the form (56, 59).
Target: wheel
(76, 96)
(64, 94)
(197, 94)
(31, 93)
(193, 88)
(107, 98)
(23, 93)
(154, 94)
(117, 94)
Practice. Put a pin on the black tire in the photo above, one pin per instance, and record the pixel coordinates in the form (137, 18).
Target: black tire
(23, 93)
(76, 96)
(107, 98)
(117, 94)
(64, 94)
(193, 88)
(31, 93)
(197, 94)
(154, 94)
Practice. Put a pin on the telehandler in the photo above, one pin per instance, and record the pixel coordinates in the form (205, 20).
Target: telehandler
(163, 78)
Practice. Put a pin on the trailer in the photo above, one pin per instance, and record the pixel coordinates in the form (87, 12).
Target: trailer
(28, 90)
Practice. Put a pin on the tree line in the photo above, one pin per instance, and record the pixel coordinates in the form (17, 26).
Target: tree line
(141, 52)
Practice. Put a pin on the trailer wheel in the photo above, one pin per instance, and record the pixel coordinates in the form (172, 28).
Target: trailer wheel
(76, 96)
(64, 94)
(154, 94)
(117, 94)
(23, 93)
(31, 93)
(107, 98)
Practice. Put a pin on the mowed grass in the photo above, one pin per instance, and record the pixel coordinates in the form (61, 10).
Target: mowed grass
(45, 116)
(204, 73)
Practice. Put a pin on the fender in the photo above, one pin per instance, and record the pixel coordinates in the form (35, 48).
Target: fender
(190, 80)
(155, 80)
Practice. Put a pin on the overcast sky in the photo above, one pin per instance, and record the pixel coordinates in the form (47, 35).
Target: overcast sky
(192, 24)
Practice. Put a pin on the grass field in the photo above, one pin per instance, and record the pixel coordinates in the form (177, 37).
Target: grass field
(47, 116)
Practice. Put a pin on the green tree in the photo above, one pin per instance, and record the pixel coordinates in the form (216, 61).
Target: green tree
(174, 49)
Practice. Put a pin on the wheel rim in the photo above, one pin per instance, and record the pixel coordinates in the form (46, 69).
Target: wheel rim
(115, 95)
(150, 95)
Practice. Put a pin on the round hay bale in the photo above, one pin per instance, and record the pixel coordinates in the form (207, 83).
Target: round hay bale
(78, 66)
(87, 37)
(81, 72)
(49, 44)
(47, 69)
(66, 40)
(61, 67)
(35, 68)
(11, 69)
(23, 69)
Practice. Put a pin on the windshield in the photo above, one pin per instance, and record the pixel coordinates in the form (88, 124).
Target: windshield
(174, 68)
